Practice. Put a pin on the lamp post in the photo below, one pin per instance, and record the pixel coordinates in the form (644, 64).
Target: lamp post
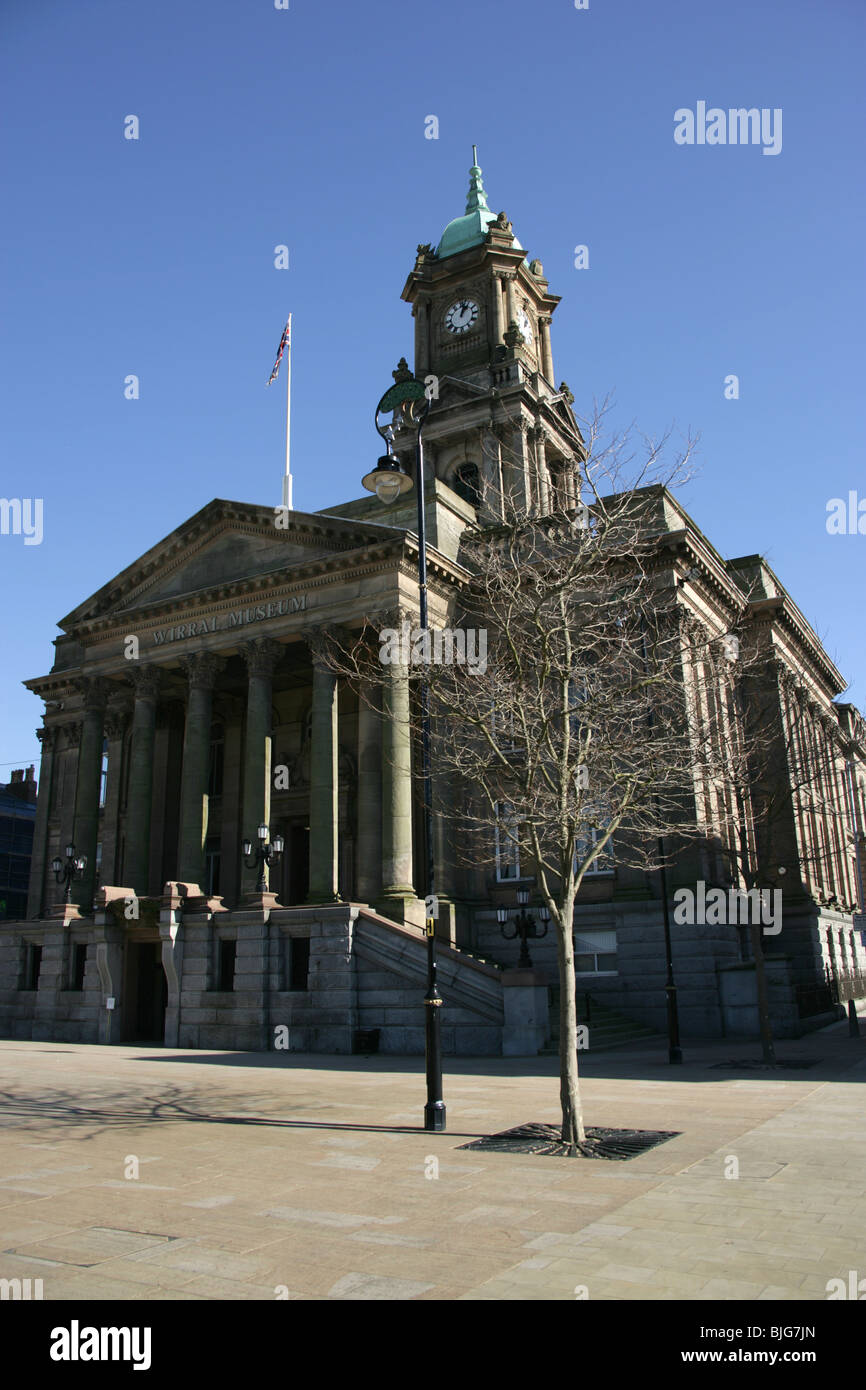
(70, 871)
(265, 852)
(409, 403)
(525, 926)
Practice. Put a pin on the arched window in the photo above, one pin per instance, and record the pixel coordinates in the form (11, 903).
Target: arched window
(466, 483)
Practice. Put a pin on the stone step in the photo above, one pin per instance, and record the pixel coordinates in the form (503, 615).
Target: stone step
(607, 1027)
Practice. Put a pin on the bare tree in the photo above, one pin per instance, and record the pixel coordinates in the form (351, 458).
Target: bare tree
(576, 732)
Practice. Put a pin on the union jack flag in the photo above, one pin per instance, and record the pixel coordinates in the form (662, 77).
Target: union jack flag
(285, 342)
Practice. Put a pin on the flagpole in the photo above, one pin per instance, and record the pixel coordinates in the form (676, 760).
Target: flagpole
(287, 479)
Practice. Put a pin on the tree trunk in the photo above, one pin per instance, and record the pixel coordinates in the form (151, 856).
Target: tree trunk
(569, 1085)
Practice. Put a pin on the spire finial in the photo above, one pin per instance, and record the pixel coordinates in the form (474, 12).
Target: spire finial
(477, 199)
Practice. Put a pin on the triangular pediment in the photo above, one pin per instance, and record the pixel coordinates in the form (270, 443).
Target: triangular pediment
(227, 543)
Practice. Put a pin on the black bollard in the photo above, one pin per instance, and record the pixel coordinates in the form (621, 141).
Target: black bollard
(853, 1021)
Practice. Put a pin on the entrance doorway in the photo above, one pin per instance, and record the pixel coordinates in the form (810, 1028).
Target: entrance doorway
(148, 993)
(297, 871)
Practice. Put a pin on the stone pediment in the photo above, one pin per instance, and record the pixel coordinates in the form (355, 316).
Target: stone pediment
(226, 543)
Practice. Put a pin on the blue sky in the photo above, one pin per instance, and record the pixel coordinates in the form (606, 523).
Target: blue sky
(306, 127)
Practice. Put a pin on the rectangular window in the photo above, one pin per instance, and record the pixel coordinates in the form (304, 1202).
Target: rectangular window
(79, 965)
(603, 862)
(595, 953)
(215, 766)
(507, 848)
(212, 857)
(502, 728)
(32, 966)
(297, 962)
(227, 954)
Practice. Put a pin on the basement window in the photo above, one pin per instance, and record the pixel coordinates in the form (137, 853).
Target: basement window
(79, 965)
(227, 956)
(297, 962)
(32, 966)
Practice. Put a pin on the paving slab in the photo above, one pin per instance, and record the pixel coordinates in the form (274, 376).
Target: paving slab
(147, 1173)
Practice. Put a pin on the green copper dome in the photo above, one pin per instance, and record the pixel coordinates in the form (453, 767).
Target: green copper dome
(471, 229)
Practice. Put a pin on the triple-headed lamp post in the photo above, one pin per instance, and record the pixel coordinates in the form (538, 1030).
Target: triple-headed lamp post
(265, 851)
(71, 870)
(525, 927)
(409, 403)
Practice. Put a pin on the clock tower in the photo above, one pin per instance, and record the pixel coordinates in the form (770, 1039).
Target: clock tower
(498, 425)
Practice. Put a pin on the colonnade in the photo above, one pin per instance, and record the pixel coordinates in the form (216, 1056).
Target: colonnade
(384, 801)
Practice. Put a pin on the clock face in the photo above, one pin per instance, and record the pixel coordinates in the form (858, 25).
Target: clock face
(461, 316)
(524, 323)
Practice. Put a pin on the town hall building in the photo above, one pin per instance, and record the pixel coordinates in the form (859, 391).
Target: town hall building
(190, 702)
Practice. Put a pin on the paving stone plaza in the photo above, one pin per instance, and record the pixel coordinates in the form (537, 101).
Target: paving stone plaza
(133, 1173)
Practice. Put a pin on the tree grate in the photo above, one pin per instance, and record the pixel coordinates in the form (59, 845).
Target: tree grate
(600, 1143)
(802, 1065)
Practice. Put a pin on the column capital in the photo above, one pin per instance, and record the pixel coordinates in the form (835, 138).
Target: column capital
(72, 733)
(261, 655)
(48, 737)
(147, 681)
(95, 691)
(202, 669)
(116, 720)
(320, 642)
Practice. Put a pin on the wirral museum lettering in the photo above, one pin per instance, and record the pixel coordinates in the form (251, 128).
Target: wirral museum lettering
(238, 618)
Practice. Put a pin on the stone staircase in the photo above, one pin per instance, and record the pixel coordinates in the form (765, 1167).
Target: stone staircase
(607, 1027)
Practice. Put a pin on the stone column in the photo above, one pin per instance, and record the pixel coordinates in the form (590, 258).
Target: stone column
(542, 497)
(421, 311)
(396, 786)
(85, 828)
(261, 656)
(45, 793)
(369, 838)
(546, 351)
(498, 326)
(509, 277)
(139, 800)
(201, 669)
(324, 786)
(116, 720)
(66, 755)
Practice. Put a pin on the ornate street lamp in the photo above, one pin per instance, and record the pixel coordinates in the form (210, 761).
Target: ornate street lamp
(70, 871)
(525, 926)
(409, 403)
(265, 852)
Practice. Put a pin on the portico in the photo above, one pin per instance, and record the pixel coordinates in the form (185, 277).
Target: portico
(169, 738)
